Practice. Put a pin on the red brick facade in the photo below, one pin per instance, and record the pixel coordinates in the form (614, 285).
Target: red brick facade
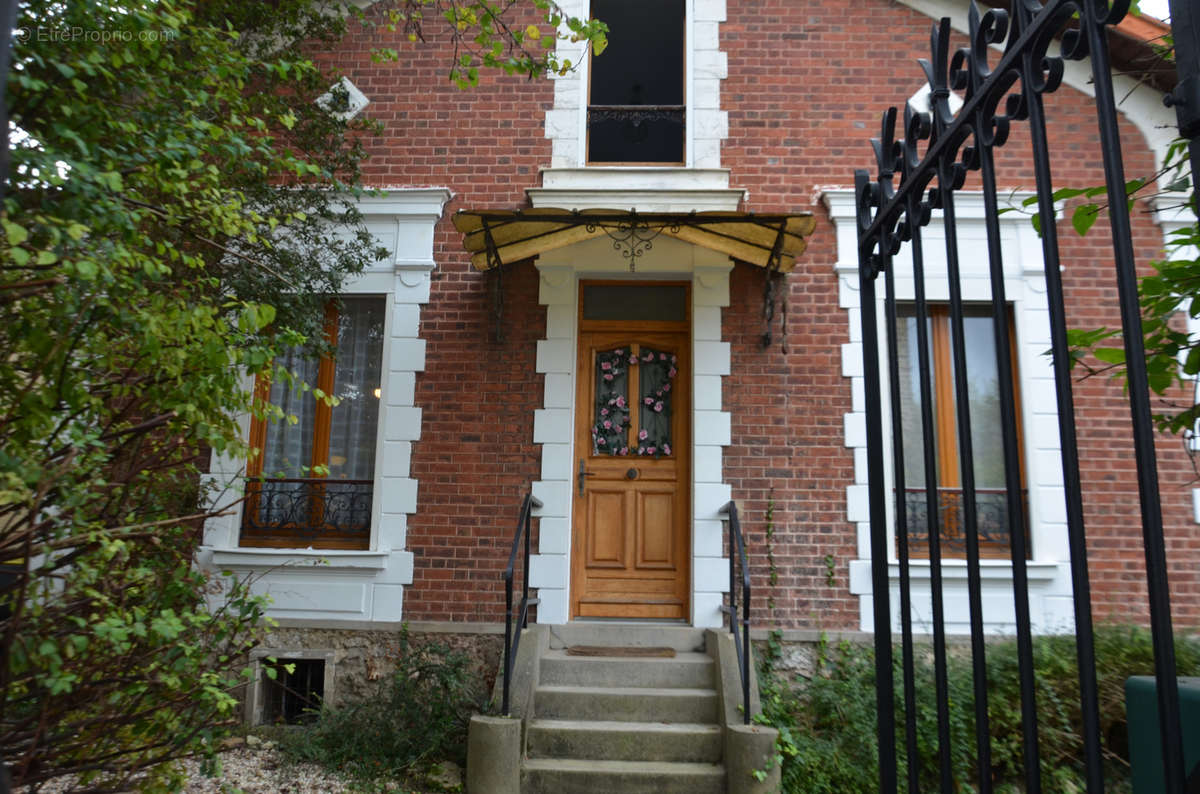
(807, 84)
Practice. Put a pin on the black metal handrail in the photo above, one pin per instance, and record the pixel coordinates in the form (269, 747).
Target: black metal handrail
(741, 640)
(513, 640)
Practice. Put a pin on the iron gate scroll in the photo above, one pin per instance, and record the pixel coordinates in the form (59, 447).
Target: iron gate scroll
(932, 156)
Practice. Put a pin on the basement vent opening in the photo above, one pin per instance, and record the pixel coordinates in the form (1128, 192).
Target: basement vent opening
(292, 697)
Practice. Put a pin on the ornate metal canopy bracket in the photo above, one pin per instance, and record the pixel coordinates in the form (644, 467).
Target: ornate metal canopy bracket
(633, 237)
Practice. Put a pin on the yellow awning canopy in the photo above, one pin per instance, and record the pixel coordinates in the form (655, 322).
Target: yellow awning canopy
(495, 237)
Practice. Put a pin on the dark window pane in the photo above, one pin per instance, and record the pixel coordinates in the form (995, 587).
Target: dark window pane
(665, 302)
(293, 697)
(630, 139)
(637, 98)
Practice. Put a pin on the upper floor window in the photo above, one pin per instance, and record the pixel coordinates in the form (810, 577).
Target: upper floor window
(312, 482)
(636, 105)
(983, 391)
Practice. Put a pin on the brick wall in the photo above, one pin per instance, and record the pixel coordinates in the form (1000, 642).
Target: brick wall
(807, 84)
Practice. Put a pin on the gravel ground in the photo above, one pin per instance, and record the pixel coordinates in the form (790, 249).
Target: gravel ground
(255, 767)
(260, 771)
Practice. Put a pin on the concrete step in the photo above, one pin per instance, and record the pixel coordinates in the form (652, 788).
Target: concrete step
(688, 669)
(642, 635)
(626, 704)
(573, 776)
(624, 741)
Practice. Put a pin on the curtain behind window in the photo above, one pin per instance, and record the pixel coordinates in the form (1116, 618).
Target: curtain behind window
(355, 381)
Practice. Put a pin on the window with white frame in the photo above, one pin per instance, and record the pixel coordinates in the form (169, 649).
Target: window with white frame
(310, 482)
(983, 390)
(1048, 567)
(636, 105)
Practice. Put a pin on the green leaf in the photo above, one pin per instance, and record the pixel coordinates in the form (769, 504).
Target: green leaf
(15, 234)
(1110, 355)
(86, 269)
(1084, 217)
(1191, 364)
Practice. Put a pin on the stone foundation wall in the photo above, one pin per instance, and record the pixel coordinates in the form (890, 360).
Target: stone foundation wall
(799, 648)
(360, 661)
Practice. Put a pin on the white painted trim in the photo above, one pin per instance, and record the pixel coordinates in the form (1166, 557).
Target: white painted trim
(1049, 569)
(639, 188)
(1140, 103)
(328, 559)
(356, 586)
(560, 272)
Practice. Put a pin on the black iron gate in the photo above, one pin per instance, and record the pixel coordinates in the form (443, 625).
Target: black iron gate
(932, 158)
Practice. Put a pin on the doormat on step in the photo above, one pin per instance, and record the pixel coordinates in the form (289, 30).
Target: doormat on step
(621, 650)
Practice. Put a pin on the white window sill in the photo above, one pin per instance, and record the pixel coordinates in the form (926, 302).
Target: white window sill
(952, 570)
(643, 188)
(323, 559)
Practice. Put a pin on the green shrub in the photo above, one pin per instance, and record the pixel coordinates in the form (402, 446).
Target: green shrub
(420, 717)
(827, 722)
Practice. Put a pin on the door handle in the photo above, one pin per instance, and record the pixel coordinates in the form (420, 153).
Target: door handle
(583, 473)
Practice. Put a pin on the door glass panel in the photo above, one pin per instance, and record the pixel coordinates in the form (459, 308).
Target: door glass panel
(656, 374)
(610, 416)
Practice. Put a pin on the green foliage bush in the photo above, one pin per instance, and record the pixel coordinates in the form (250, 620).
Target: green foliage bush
(173, 215)
(827, 722)
(420, 717)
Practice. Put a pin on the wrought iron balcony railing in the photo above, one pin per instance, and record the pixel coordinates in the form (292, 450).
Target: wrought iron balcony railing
(310, 511)
(991, 516)
(636, 114)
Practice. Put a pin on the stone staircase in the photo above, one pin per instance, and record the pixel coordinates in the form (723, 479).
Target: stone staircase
(619, 725)
(612, 722)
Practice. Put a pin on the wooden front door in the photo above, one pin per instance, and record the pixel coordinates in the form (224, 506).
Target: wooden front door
(630, 540)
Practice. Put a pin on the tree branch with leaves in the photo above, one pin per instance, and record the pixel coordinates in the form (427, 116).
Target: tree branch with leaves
(176, 214)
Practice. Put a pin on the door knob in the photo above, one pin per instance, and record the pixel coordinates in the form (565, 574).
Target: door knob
(632, 474)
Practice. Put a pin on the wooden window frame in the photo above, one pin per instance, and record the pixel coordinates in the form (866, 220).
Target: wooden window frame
(288, 535)
(945, 417)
